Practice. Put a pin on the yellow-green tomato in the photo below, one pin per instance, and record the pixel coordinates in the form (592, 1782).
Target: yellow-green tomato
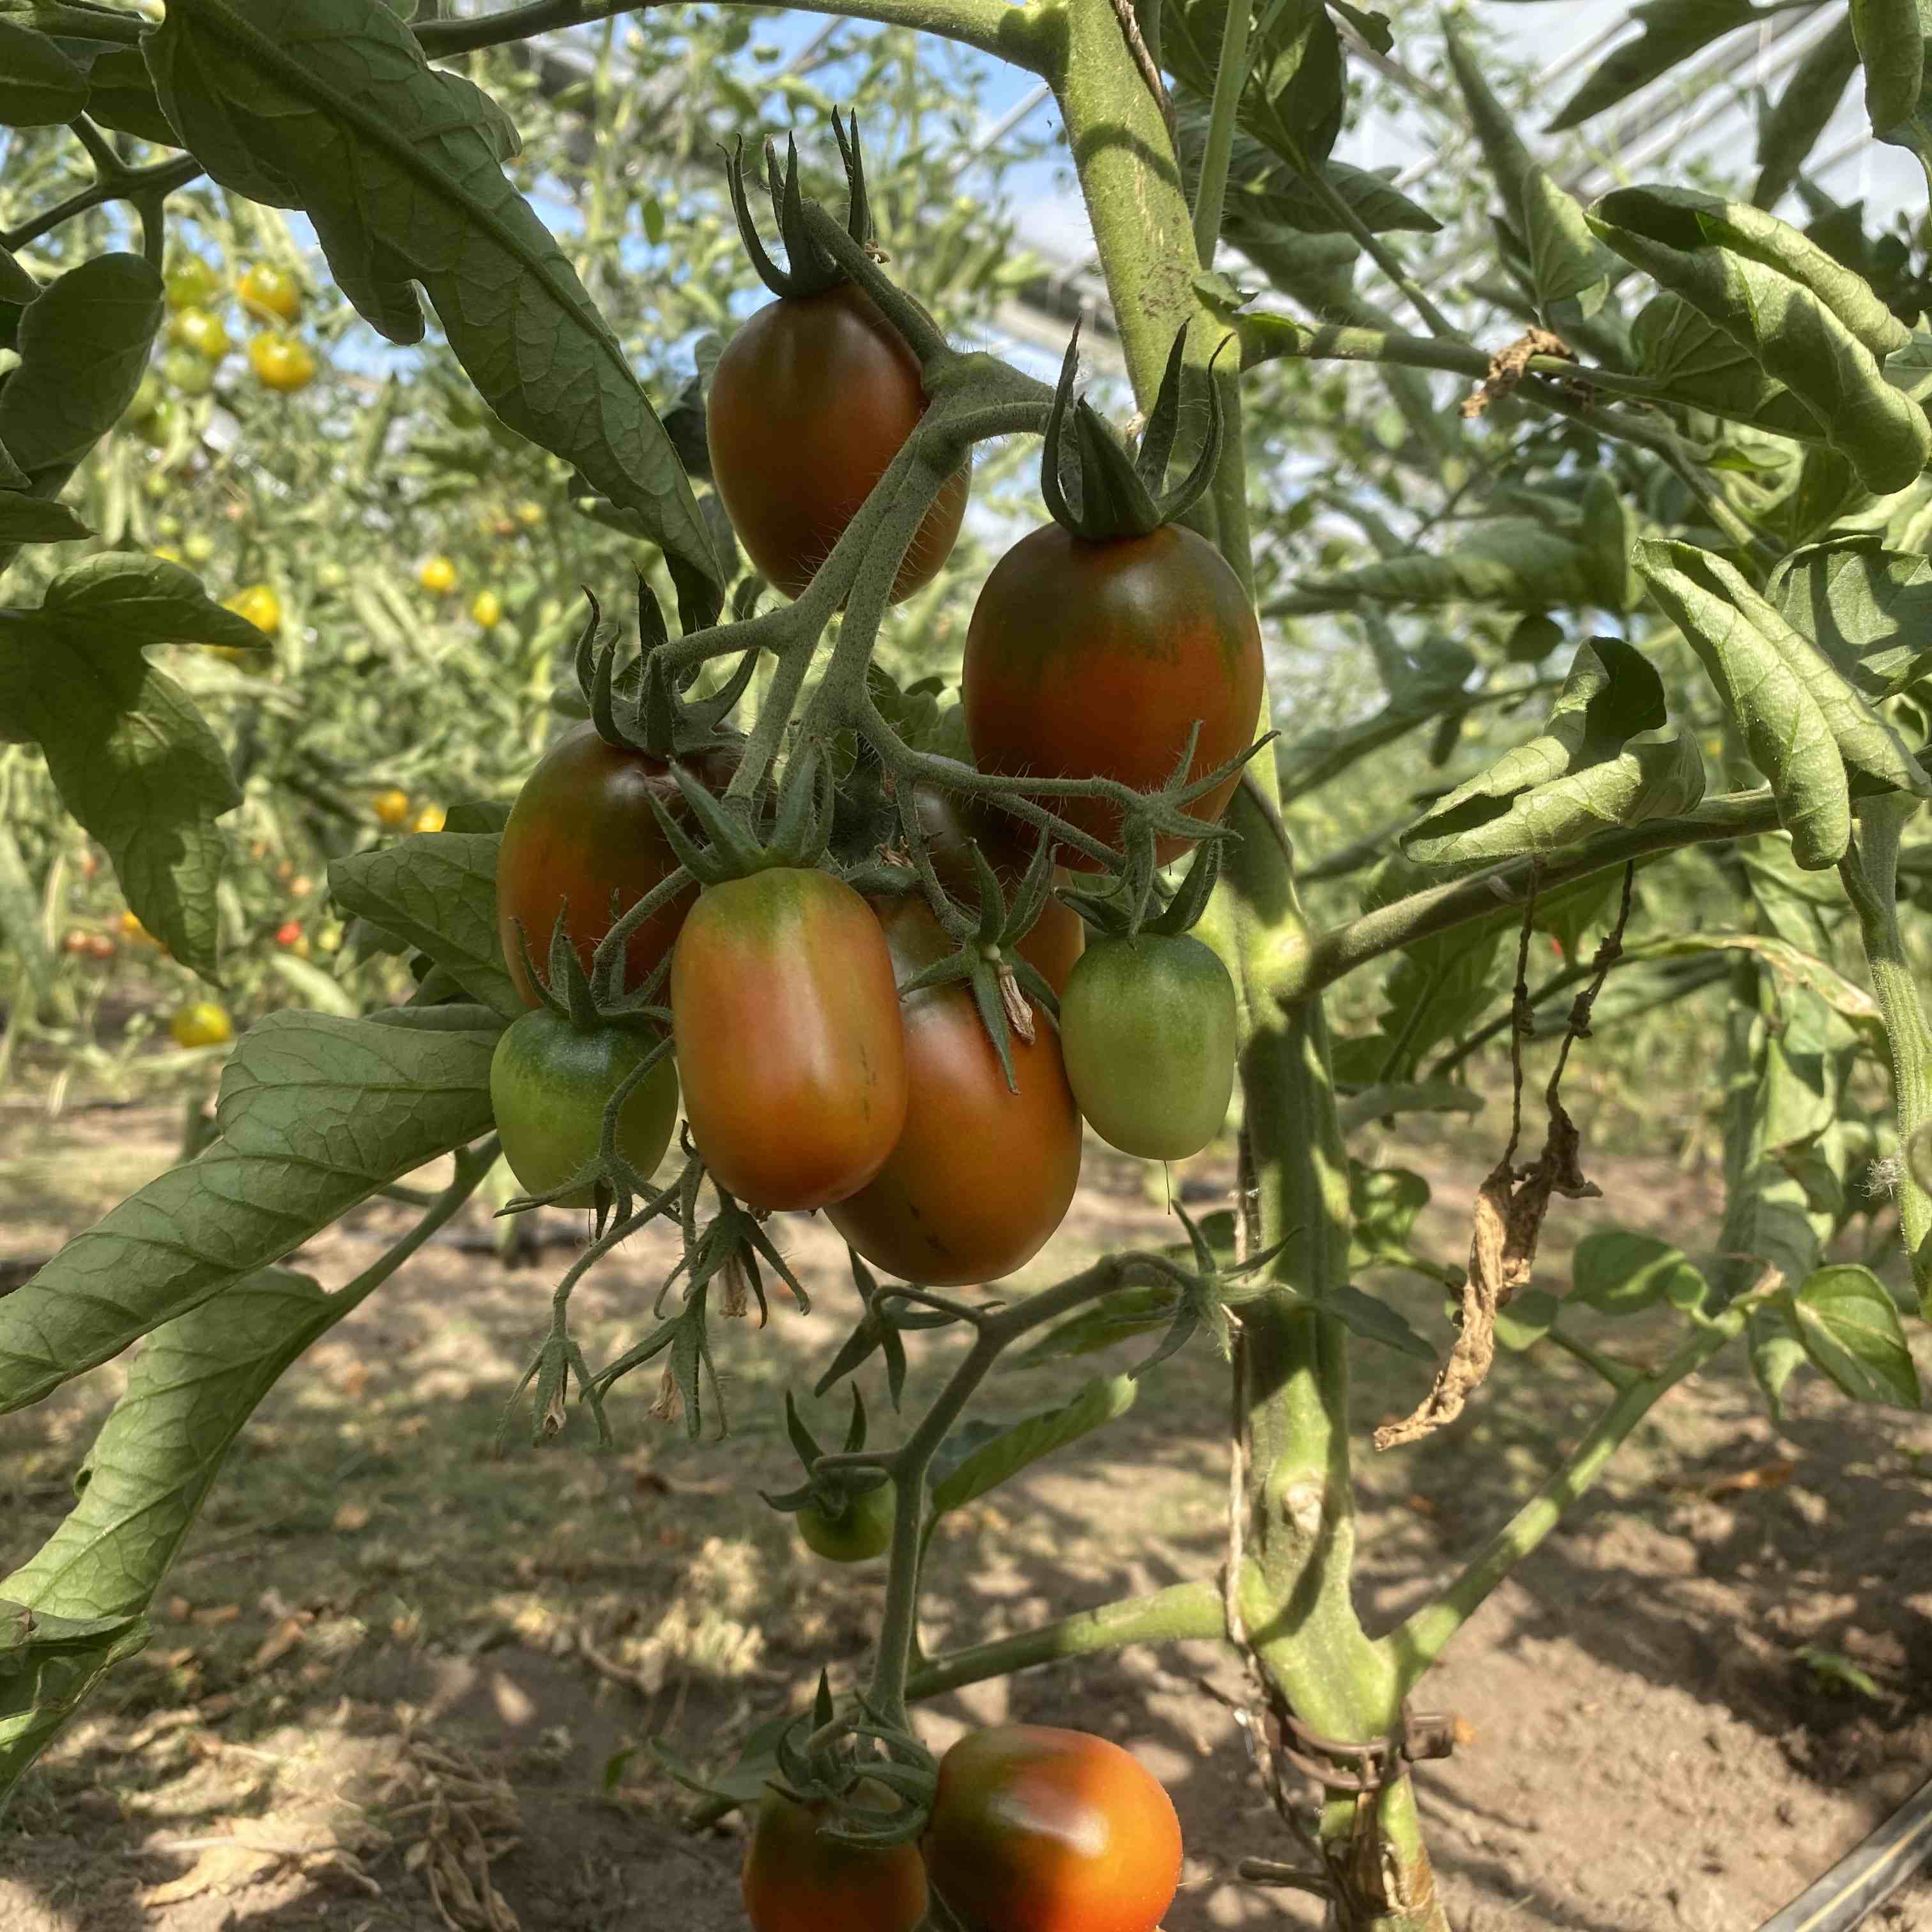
(192, 281)
(201, 1024)
(268, 291)
(1147, 1027)
(201, 331)
(862, 1529)
(550, 1082)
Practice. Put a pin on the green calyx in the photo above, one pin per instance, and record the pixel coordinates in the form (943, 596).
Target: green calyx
(825, 1758)
(1093, 486)
(642, 705)
(800, 830)
(598, 998)
(810, 271)
(1122, 913)
(833, 1491)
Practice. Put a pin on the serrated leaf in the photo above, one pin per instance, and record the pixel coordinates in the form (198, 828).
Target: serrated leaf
(1791, 130)
(1797, 334)
(329, 106)
(994, 1459)
(1787, 732)
(438, 890)
(1890, 36)
(1850, 1327)
(1617, 1271)
(314, 1114)
(133, 759)
(1673, 30)
(1599, 762)
(1375, 1320)
(39, 87)
(38, 520)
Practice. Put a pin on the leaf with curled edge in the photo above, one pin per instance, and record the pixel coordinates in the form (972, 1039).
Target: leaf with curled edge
(315, 1113)
(330, 105)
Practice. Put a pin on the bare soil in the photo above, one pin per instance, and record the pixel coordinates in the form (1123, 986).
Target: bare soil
(400, 1686)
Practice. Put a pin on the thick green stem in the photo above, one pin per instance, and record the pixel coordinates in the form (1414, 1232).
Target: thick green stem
(1870, 873)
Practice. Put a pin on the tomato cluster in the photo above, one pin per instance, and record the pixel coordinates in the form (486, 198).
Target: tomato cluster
(1032, 1829)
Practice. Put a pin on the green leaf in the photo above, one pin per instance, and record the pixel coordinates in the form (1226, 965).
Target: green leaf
(1526, 1319)
(1512, 561)
(1799, 968)
(314, 987)
(1618, 1272)
(16, 286)
(1791, 130)
(329, 106)
(1850, 1326)
(31, 519)
(133, 760)
(1788, 303)
(315, 1113)
(1776, 1353)
(438, 891)
(980, 1457)
(1867, 608)
(1565, 258)
(1890, 36)
(83, 344)
(1841, 1672)
(1680, 348)
(49, 1667)
(1673, 30)
(1120, 1317)
(1293, 100)
(1375, 1320)
(120, 93)
(1600, 762)
(1786, 731)
(39, 87)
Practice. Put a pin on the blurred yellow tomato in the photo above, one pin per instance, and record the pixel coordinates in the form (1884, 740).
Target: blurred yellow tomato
(203, 1024)
(269, 292)
(438, 577)
(281, 362)
(392, 806)
(430, 819)
(487, 610)
(260, 605)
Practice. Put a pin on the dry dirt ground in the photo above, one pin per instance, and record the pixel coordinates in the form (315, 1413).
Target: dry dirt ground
(387, 1664)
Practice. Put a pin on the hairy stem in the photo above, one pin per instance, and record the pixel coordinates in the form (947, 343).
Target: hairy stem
(1870, 870)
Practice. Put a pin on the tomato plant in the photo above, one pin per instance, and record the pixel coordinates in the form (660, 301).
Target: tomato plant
(797, 1880)
(260, 605)
(582, 838)
(789, 1041)
(549, 1083)
(980, 1176)
(1035, 1829)
(192, 281)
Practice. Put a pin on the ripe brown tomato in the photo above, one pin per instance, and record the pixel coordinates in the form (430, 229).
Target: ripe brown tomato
(789, 1043)
(981, 1177)
(796, 1881)
(810, 402)
(1094, 660)
(1035, 1829)
(950, 821)
(582, 834)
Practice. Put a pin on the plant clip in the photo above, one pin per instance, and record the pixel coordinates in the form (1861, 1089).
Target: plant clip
(1093, 487)
(642, 706)
(1122, 914)
(834, 1491)
(810, 271)
(801, 827)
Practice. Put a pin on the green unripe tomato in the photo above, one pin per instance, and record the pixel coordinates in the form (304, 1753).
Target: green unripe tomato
(192, 281)
(201, 331)
(865, 1530)
(188, 373)
(550, 1082)
(1148, 1028)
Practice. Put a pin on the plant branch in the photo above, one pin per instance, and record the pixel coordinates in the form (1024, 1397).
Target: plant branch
(1230, 75)
(131, 185)
(1341, 949)
(1416, 1643)
(1172, 1615)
